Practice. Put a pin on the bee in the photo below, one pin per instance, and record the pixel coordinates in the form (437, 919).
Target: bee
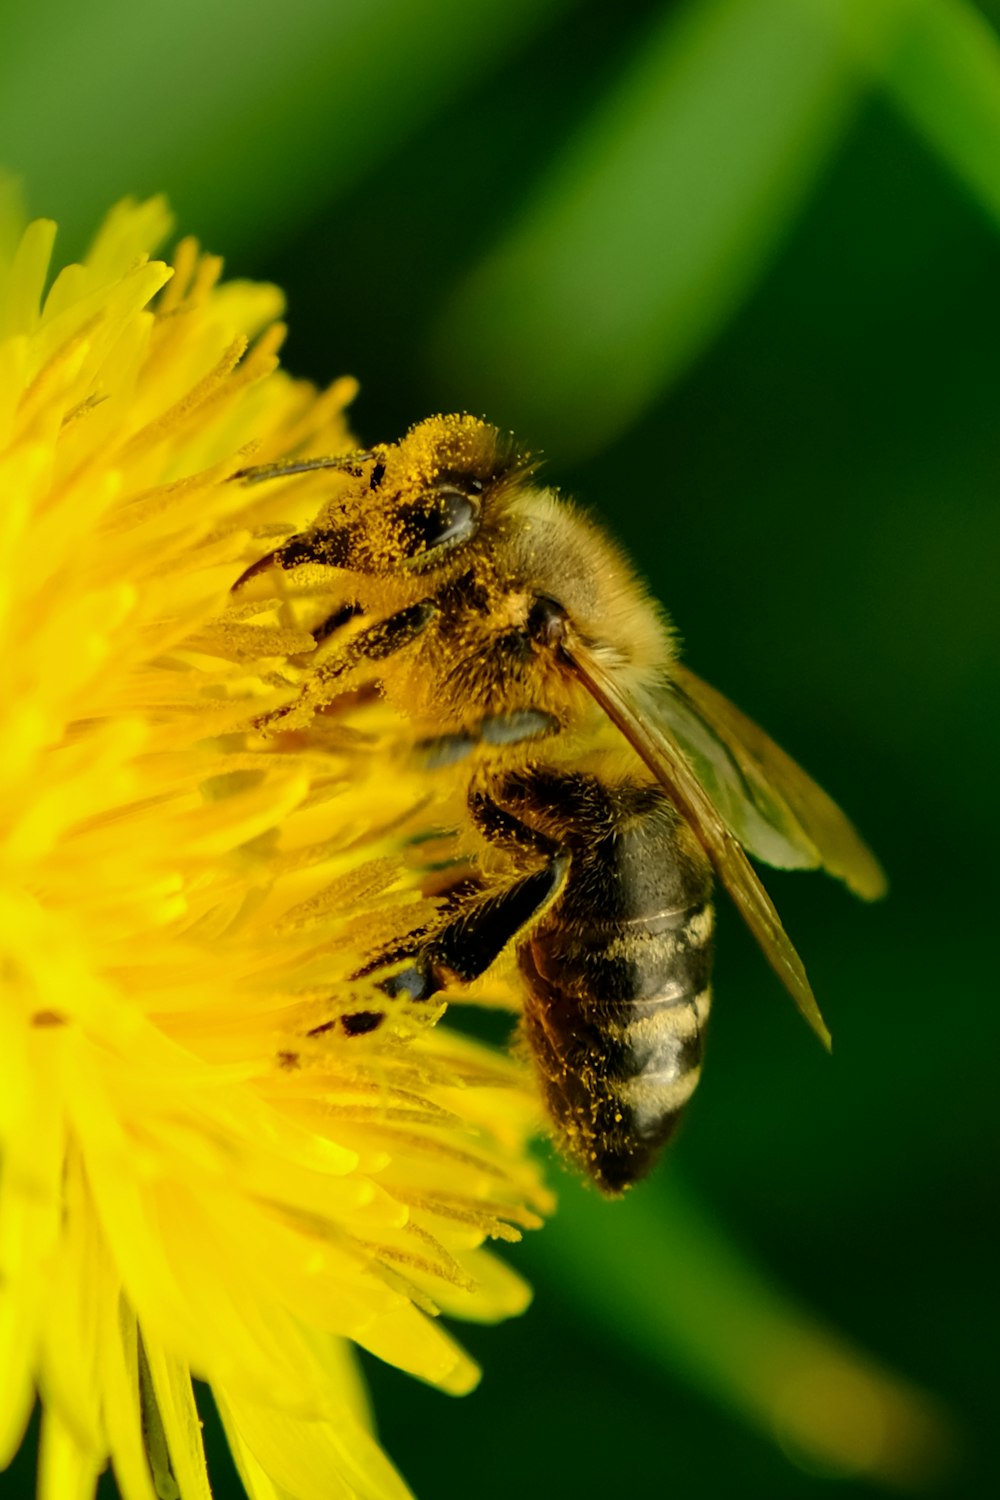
(606, 784)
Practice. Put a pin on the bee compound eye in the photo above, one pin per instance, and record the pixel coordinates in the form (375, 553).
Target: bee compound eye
(443, 517)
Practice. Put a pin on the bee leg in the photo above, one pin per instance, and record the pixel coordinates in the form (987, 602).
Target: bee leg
(480, 923)
(334, 622)
(497, 729)
(501, 828)
(484, 924)
(465, 947)
(516, 728)
(379, 641)
(444, 750)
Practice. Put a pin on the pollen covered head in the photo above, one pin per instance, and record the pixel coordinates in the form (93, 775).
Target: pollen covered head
(447, 558)
(408, 507)
(457, 448)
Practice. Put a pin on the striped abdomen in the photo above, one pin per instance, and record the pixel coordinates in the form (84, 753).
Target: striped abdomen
(617, 975)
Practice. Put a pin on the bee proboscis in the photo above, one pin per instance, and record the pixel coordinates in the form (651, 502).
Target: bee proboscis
(603, 781)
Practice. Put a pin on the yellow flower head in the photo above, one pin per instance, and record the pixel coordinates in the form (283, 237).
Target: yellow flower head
(210, 1164)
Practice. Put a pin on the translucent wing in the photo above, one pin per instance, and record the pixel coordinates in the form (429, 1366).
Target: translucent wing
(655, 742)
(775, 810)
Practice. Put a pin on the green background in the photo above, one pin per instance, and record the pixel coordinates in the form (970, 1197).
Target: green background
(735, 269)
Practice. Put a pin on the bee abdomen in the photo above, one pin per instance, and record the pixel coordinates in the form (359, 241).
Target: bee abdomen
(615, 1017)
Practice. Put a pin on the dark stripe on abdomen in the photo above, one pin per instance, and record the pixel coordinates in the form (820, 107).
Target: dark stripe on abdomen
(615, 1018)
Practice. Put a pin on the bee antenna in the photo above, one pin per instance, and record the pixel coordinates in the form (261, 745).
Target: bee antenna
(341, 462)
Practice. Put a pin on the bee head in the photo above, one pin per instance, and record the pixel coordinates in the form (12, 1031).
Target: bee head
(438, 486)
(409, 506)
(449, 521)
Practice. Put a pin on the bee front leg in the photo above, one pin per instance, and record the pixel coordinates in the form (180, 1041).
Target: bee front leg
(376, 643)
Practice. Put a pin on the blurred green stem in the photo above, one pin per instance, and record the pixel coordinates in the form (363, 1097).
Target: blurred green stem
(666, 1280)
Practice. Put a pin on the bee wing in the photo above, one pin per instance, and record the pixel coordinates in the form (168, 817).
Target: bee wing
(655, 742)
(775, 810)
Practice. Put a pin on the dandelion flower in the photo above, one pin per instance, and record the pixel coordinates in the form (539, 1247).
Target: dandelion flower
(212, 1163)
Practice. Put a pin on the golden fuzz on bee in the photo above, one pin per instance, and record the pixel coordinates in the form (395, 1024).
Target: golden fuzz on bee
(597, 783)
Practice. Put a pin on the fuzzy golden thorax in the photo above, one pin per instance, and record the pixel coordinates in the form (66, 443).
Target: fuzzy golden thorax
(449, 521)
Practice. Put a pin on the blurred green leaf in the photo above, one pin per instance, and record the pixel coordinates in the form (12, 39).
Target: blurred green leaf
(650, 230)
(245, 116)
(945, 78)
(673, 1285)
